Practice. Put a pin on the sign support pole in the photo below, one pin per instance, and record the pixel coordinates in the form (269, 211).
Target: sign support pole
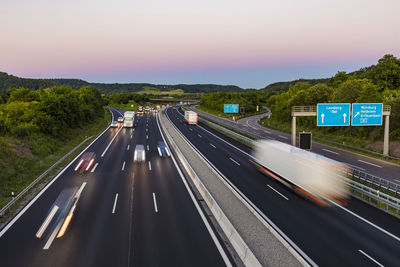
(293, 130)
(386, 137)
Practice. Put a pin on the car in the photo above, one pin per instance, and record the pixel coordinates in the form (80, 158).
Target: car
(114, 124)
(86, 161)
(139, 154)
(163, 149)
(120, 119)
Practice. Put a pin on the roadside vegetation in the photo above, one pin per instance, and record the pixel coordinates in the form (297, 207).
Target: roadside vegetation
(39, 127)
(376, 84)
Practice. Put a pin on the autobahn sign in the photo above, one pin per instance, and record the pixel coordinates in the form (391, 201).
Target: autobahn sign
(366, 114)
(333, 114)
(231, 108)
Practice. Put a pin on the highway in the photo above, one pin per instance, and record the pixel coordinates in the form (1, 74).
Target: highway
(357, 235)
(129, 214)
(380, 168)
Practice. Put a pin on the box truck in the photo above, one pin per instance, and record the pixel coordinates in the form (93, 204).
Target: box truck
(129, 117)
(190, 117)
(313, 176)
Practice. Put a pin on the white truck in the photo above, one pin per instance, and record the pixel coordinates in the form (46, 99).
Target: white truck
(312, 175)
(129, 117)
(190, 117)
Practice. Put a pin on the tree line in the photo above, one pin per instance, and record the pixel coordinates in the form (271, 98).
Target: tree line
(379, 83)
(46, 115)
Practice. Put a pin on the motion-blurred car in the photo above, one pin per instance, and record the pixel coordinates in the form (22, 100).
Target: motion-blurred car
(162, 149)
(120, 119)
(86, 161)
(114, 124)
(139, 154)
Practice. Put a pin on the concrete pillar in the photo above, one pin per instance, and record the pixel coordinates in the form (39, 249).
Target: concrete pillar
(386, 137)
(293, 130)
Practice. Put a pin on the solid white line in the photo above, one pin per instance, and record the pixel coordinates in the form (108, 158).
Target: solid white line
(365, 220)
(149, 166)
(199, 135)
(330, 151)
(366, 162)
(115, 203)
(147, 147)
(213, 145)
(47, 221)
(276, 191)
(369, 257)
(128, 147)
(17, 216)
(123, 166)
(284, 137)
(112, 140)
(199, 210)
(155, 202)
(94, 167)
(234, 161)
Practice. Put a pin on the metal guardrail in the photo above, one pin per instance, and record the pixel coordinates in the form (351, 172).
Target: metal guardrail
(10, 204)
(364, 190)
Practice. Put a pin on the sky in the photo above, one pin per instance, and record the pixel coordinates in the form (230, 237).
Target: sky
(247, 43)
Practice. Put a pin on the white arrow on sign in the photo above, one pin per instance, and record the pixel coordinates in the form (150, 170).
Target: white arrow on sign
(344, 117)
(322, 117)
(358, 113)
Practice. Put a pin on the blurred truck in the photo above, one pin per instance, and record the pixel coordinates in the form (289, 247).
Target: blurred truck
(190, 117)
(313, 176)
(129, 117)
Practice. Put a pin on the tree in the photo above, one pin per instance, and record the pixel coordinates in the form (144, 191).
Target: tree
(349, 91)
(386, 74)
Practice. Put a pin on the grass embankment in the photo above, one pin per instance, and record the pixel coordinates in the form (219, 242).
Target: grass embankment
(156, 91)
(340, 141)
(22, 167)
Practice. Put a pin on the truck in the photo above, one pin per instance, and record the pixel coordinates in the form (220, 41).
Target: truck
(129, 117)
(314, 176)
(190, 117)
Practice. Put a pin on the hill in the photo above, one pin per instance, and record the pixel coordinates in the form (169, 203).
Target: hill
(11, 81)
(284, 86)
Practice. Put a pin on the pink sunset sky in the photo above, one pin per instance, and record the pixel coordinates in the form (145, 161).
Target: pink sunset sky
(247, 43)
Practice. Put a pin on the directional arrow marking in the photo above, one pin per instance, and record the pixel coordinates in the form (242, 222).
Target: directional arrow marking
(358, 113)
(344, 118)
(322, 117)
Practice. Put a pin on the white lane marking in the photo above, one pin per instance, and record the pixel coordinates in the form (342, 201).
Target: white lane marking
(94, 167)
(123, 166)
(366, 162)
(149, 166)
(284, 137)
(128, 147)
(112, 140)
(131, 136)
(199, 210)
(397, 180)
(115, 203)
(190, 129)
(234, 161)
(330, 151)
(147, 129)
(276, 191)
(147, 137)
(365, 220)
(47, 221)
(354, 166)
(199, 135)
(268, 132)
(155, 202)
(369, 257)
(147, 147)
(213, 145)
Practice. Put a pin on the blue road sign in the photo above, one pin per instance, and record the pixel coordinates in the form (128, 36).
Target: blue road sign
(333, 114)
(366, 114)
(231, 108)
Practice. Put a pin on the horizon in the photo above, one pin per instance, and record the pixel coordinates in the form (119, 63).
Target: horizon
(249, 45)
